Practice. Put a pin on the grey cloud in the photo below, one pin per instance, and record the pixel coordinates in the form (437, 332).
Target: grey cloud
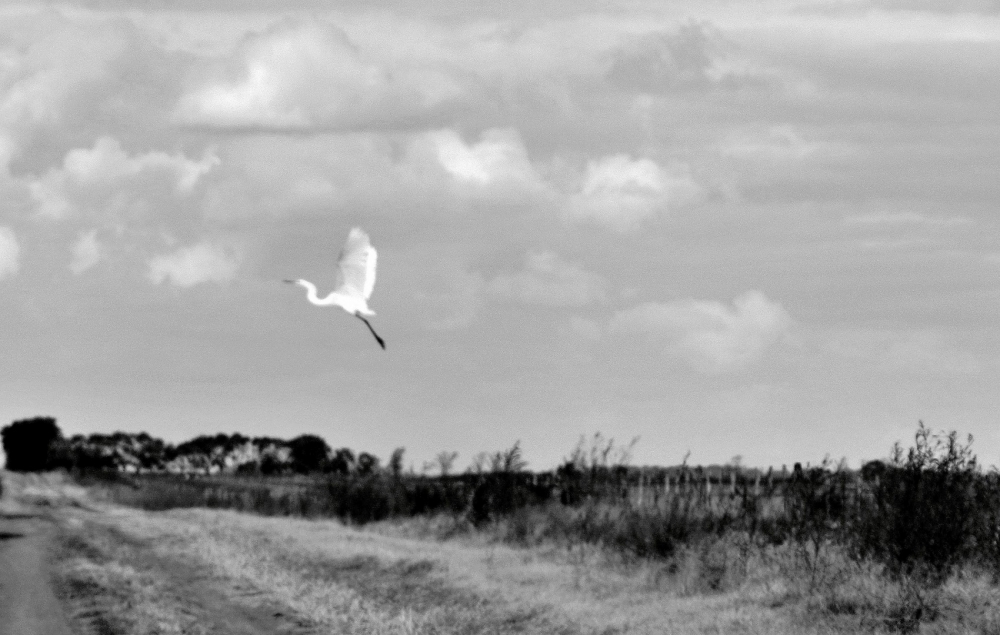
(692, 58)
(199, 263)
(72, 81)
(307, 76)
(988, 7)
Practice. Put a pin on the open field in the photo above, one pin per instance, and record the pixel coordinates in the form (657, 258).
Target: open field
(909, 545)
(152, 571)
(127, 570)
(194, 571)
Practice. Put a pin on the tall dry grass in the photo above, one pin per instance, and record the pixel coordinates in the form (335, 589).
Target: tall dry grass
(925, 521)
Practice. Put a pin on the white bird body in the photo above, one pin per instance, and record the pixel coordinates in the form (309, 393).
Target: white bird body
(355, 280)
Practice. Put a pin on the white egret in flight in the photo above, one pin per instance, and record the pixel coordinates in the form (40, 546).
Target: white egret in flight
(355, 280)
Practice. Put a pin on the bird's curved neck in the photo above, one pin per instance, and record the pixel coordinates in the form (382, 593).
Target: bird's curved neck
(314, 298)
(310, 291)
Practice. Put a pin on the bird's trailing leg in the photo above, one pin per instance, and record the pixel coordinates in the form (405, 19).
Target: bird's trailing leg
(378, 339)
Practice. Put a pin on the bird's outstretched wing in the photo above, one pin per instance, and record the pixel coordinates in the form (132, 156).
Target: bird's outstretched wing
(356, 265)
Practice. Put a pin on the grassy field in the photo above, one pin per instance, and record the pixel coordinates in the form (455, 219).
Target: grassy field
(127, 570)
(138, 567)
(910, 545)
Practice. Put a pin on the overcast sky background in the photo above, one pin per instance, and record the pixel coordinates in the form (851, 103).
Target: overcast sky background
(765, 229)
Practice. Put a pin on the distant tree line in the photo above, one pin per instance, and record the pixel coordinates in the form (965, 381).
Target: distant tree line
(37, 444)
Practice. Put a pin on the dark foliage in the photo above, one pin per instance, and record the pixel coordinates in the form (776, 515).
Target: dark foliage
(365, 499)
(927, 509)
(367, 464)
(506, 488)
(380, 495)
(342, 462)
(499, 494)
(309, 453)
(28, 442)
(210, 444)
(396, 462)
(816, 503)
(110, 451)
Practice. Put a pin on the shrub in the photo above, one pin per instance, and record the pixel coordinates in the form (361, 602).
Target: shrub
(364, 498)
(816, 505)
(919, 513)
(986, 524)
(505, 489)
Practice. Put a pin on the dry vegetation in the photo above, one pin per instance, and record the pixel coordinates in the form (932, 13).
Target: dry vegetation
(326, 577)
(904, 548)
(198, 570)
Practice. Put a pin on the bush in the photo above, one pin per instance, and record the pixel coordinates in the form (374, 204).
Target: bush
(986, 524)
(816, 508)
(920, 512)
(366, 498)
(504, 489)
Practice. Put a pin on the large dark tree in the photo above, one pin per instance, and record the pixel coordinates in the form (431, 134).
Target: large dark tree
(27, 443)
(309, 453)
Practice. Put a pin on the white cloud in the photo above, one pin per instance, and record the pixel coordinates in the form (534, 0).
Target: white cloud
(498, 157)
(65, 77)
(711, 336)
(97, 174)
(193, 265)
(620, 192)
(48, 196)
(46, 60)
(546, 279)
(107, 162)
(87, 252)
(10, 253)
(306, 74)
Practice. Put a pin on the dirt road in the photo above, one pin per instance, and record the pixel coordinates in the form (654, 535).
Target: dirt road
(53, 579)
(28, 605)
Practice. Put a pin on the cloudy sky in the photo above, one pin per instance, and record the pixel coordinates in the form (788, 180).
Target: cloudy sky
(765, 229)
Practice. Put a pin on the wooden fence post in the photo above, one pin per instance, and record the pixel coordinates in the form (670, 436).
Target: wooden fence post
(642, 477)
